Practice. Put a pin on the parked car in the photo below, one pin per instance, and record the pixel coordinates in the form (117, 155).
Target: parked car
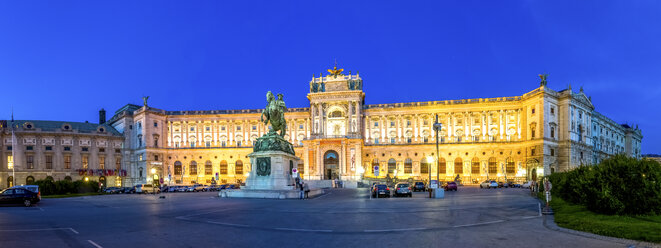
(233, 186)
(489, 184)
(450, 186)
(199, 187)
(19, 195)
(526, 184)
(147, 188)
(381, 190)
(419, 186)
(403, 189)
(112, 190)
(33, 188)
(501, 185)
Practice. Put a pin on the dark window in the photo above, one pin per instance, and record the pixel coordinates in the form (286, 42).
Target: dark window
(424, 166)
(49, 162)
(155, 124)
(30, 161)
(9, 148)
(493, 167)
(102, 149)
(475, 166)
(532, 152)
(392, 166)
(208, 170)
(177, 168)
(223, 167)
(85, 149)
(67, 148)
(552, 152)
(156, 157)
(408, 166)
(29, 148)
(552, 110)
(238, 168)
(510, 166)
(49, 148)
(533, 110)
(193, 168)
(67, 161)
(118, 150)
(458, 167)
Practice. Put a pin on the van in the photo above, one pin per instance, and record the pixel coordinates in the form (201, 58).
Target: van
(146, 189)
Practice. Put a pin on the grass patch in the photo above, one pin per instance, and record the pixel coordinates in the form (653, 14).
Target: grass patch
(577, 217)
(71, 195)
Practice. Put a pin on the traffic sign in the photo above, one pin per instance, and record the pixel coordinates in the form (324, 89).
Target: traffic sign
(376, 170)
(294, 170)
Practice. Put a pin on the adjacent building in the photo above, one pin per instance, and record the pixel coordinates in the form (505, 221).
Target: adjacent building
(340, 137)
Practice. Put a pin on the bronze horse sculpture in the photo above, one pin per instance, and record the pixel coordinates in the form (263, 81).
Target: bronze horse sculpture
(275, 114)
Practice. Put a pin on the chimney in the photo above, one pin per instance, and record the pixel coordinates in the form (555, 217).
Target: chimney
(102, 116)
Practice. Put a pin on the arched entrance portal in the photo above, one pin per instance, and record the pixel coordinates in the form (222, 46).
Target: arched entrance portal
(331, 165)
(532, 169)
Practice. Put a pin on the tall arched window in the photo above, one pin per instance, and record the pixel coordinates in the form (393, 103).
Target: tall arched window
(458, 166)
(10, 181)
(193, 168)
(223, 167)
(208, 168)
(493, 168)
(424, 166)
(238, 168)
(392, 166)
(177, 168)
(408, 166)
(475, 166)
(510, 169)
(441, 166)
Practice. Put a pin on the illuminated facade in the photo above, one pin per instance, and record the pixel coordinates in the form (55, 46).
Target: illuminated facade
(338, 136)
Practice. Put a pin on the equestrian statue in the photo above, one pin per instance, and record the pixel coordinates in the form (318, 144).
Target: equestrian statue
(275, 114)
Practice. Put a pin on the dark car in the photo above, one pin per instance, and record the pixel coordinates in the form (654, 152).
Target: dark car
(450, 186)
(501, 184)
(19, 196)
(418, 186)
(233, 186)
(128, 190)
(381, 190)
(402, 189)
(112, 190)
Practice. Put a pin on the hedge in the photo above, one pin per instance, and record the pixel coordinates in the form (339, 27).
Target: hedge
(63, 187)
(619, 185)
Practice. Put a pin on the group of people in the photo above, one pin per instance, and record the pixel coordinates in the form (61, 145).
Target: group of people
(303, 188)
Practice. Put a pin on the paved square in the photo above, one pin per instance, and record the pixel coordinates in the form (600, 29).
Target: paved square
(469, 217)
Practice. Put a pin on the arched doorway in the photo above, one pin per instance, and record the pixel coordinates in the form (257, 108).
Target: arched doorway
(102, 181)
(331, 165)
(10, 181)
(532, 169)
(29, 180)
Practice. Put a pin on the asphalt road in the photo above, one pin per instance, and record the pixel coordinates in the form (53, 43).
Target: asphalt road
(469, 217)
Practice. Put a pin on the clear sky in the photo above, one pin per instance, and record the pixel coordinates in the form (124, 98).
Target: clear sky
(65, 60)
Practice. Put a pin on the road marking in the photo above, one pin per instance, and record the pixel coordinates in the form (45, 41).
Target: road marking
(398, 229)
(301, 230)
(186, 216)
(38, 229)
(227, 224)
(322, 196)
(530, 217)
(540, 209)
(479, 224)
(73, 230)
(94, 244)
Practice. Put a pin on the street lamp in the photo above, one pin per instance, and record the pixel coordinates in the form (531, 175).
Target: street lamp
(430, 159)
(437, 128)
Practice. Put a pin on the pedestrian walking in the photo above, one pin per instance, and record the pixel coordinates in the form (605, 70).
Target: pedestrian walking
(306, 189)
(300, 188)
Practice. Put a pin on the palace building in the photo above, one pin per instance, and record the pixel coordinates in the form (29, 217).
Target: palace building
(340, 137)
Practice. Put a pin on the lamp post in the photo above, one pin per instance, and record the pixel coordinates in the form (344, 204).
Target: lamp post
(430, 159)
(437, 128)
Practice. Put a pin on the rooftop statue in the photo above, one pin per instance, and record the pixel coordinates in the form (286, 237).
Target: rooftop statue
(275, 114)
(543, 77)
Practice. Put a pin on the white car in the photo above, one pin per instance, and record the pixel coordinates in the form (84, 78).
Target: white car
(526, 184)
(489, 184)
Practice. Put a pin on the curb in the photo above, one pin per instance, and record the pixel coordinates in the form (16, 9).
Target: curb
(549, 223)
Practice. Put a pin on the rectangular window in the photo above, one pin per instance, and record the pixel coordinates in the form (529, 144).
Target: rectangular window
(30, 161)
(192, 144)
(118, 150)
(532, 152)
(67, 148)
(533, 110)
(376, 140)
(510, 167)
(67, 161)
(392, 124)
(49, 162)
(207, 129)
(238, 143)
(208, 143)
(222, 143)
(408, 140)
(552, 152)
(102, 163)
(85, 162)
(408, 123)
(552, 132)
(376, 123)
(392, 140)
(29, 148)
(424, 168)
(208, 169)
(426, 122)
(426, 140)
(192, 129)
(102, 149)
(254, 128)
(552, 110)
(9, 148)
(155, 157)
(10, 162)
(155, 124)
(118, 163)
(222, 128)
(300, 126)
(238, 128)
(49, 148)
(84, 149)
(238, 170)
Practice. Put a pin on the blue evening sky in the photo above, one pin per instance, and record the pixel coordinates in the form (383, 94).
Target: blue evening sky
(64, 60)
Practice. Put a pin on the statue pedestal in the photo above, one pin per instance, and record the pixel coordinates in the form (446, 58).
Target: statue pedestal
(270, 177)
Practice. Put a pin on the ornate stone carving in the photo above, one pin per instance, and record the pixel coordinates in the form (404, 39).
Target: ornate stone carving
(264, 166)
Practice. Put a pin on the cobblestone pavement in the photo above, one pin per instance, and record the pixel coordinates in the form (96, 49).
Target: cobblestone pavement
(469, 217)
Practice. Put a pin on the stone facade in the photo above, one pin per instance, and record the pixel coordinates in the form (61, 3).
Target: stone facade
(338, 136)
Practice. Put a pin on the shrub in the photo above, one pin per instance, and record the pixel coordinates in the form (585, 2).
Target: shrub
(618, 185)
(46, 187)
(81, 186)
(63, 187)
